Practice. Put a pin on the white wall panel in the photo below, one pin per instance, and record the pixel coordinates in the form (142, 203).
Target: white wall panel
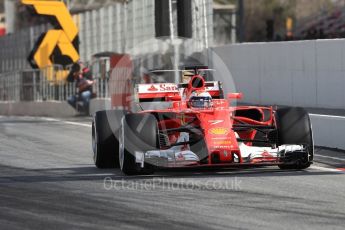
(330, 88)
(301, 73)
(329, 55)
(328, 131)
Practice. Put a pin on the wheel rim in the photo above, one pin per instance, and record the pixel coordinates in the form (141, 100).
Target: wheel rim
(94, 142)
(121, 146)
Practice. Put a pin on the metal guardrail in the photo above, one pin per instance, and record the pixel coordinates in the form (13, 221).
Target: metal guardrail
(33, 85)
(9, 87)
(100, 88)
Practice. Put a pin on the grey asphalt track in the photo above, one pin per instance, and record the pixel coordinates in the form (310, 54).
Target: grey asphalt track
(48, 181)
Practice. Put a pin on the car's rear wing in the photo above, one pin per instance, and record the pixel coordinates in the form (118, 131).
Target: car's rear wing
(157, 92)
(169, 91)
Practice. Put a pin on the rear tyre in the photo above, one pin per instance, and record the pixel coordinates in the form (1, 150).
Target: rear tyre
(105, 144)
(294, 127)
(138, 133)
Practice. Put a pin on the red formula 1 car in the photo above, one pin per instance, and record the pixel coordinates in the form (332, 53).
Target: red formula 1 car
(200, 128)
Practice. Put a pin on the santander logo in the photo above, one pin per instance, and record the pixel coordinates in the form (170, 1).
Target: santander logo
(152, 88)
(158, 88)
(162, 88)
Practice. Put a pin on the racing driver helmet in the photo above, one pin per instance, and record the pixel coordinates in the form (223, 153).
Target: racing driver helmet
(200, 100)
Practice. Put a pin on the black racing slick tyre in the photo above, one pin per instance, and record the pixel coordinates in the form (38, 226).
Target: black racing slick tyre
(294, 127)
(105, 144)
(138, 134)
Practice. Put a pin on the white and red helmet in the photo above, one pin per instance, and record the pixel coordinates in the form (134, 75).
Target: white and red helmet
(200, 100)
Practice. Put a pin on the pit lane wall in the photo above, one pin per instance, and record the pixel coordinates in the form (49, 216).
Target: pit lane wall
(32, 108)
(300, 73)
(328, 130)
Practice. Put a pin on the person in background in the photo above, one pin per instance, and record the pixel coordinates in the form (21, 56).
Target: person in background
(84, 81)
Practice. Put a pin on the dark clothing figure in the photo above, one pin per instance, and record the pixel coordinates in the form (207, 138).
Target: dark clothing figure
(84, 82)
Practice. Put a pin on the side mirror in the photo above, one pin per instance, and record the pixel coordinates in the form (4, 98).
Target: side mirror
(235, 96)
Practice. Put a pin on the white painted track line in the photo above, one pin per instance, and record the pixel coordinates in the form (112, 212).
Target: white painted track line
(333, 158)
(324, 169)
(326, 116)
(67, 122)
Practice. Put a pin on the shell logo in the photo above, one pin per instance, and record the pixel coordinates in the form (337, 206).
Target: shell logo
(219, 131)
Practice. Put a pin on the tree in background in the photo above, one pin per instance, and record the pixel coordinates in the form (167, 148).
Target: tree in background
(266, 19)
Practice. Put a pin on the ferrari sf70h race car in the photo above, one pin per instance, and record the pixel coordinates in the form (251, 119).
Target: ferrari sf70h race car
(200, 128)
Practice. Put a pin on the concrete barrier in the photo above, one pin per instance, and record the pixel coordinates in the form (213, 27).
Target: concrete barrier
(45, 108)
(328, 130)
(49, 108)
(298, 73)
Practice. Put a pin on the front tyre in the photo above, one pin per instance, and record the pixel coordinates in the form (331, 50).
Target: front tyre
(104, 142)
(294, 127)
(138, 134)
